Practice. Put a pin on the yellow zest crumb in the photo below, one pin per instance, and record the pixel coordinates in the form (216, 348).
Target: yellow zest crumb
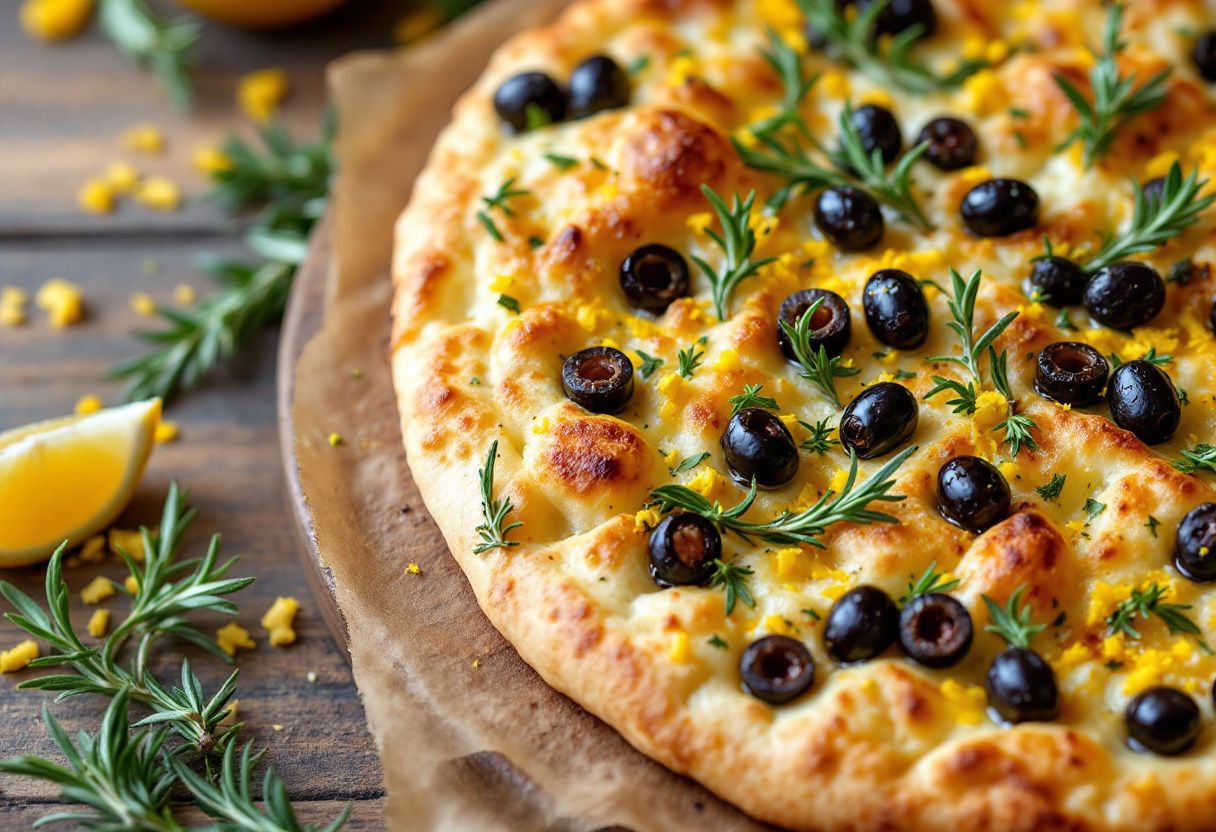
(96, 196)
(94, 549)
(99, 622)
(209, 159)
(260, 93)
(698, 223)
(159, 193)
(166, 431)
(990, 408)
(12, 306)
(55, 19)
(968, 701)
(184, 295)
(414, 569)
(646, 519)
(87, 404)
(143, 304)
(145, 138)
(476, 663)
(122, 177)
(130, 541)
(131, 585)
(679, 652)
(98, 590)
(278, 621)
(62, 302)
(233, 635)
(334, 440)
(17, 658)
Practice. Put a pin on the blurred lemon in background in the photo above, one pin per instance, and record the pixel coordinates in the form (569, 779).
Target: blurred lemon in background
(261, 14)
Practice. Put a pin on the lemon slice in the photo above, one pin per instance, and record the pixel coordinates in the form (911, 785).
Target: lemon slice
(66, 479)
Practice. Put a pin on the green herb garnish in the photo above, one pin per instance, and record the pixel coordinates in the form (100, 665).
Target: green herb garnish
(1052, 489)
(1200, 458)
(750, 397)
(1092, 509)
(820, 441)
(1151, 524)
(717, 641)
(509, 303)
(561, 162)
(649, 364)
(690, 359)
(689, 463)
(1012, 623)
(1017, 426)
(815, 364)
(494, 512)
(737, 242)
(1149, 603)
(165, 47)
(929, 581)
(733, 580)
(499, 200)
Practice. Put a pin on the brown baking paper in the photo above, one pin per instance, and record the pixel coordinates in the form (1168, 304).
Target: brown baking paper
(470, 736)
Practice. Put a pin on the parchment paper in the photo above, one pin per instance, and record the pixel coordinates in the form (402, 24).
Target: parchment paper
(470, 736)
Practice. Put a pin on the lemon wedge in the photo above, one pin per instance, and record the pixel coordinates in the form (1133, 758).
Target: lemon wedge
(67, 479)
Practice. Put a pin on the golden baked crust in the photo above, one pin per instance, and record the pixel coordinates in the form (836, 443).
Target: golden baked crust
(887, 744)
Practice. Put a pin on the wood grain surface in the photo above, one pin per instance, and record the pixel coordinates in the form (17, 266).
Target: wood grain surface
(62, 111)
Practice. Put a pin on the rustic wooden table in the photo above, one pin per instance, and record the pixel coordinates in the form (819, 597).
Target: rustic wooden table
(62, 111)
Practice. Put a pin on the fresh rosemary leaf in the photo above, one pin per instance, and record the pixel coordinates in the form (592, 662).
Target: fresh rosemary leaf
(737, 242)
(165, 47)
(509, 303)
(561, 162)
(929, 581)
(821, 440)
(1200, 458)
(1092, 509)
(689, 463)
(1148, 603)
(1151, 524)
(1011, 622)
(965, 395)
(750, 397)
(962, 299)
(493, 511)
(733, 580)
(894, 187)
(815, 365)
(795, 84)
(690, 359)
(1052, 489)
(717, 641)
(649, 364)
(1017, 426)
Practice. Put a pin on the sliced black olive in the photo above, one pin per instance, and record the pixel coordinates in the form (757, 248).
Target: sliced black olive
(530, 100)
(683, 548)
(1057, 281)
(1162, 721)
(1125, 295)
(653, 276)
(757, 445)
(776, 669)
(598, 83)
(952, 143)
(879, 420)
(973, 493)
(896, 310)
(1022, 687)
(901, 15)
(849, 218)
(862, 623)
(935, 630)
(1142, 399)
(999, 207)
(1195, 544)
(831, 323)
(599, 378)
(1071, 372)
(1203, 53)
(878, 130)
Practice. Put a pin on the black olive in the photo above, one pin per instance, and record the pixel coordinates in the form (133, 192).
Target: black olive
(653, 276)
(1212, 315)
(973, 493)
(849, 218)
(1022, 687)
(1057, 281)
(530, 100)
(878, 130)
(1162, 721)
(831, 324)
(896, 309)
(598, 83)
(776, 669)
(1071, 372)
(757, 444)
(1195, 544)
(1203, 53)
(901, 15)
(1142, 399)
(683, 548)
(862, 623)
(935, 630)
(1125, 295)
(599, 378)
(952, 143)
(999, 207)
(1153, 188)
(881, 419)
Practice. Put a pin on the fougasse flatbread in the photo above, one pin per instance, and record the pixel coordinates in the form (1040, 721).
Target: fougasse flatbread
(819, 393)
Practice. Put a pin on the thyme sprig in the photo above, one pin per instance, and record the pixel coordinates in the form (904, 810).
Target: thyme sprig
(930, 581)
(1116, 98)
(1147, 603)
(164, 46)
(493, 511)
(815, 365)
(1202, 457)
(738, 243)
(1013, 622)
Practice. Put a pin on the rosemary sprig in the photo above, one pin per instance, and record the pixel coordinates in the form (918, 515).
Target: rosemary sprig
(962, 309)
(164, 46)
(929, 581)
(750, 397)
(690, 359)
(493, 511)
(1156, 219)
(892, 68)
(499, 200)
(795, 84)
(894, 187)
(1011, 622)
(815, 365)
(821, 440)
(806, 526)
(733, 579)
(1200, 458)
(649, 364)
(1146, 603)
(1116, 98)
(1017, 426)
(737, 242)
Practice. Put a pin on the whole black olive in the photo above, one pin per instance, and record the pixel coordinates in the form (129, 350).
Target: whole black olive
(1142, 399)
(999, 207)
(683, 548)
(935, 630)
(878, 130)
(896, 310)
(1125, 295)
(879, 420)
(1022, 687)
(1153, 188)
(1195, 544)
(1162, 721)
(653, 276)
(849, 218)
(598, 83)
(529, 100)
(1071, 372)
(599, 378)
(952, 143)
(757, 445)
(1203, 53)
(1057, 281)
(900, 15)
(831, 323)
(776, 669)
(973, 493)
(861, 624)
